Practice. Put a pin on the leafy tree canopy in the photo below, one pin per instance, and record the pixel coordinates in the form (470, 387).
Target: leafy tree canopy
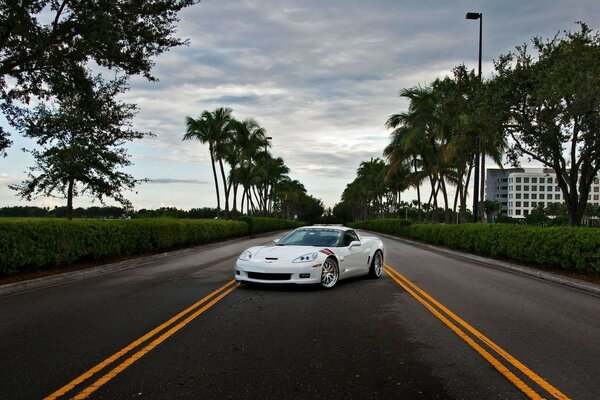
(45, 44)
(553, 110)
(81, 143)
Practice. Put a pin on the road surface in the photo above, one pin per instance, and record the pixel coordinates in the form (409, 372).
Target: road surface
(432, 327)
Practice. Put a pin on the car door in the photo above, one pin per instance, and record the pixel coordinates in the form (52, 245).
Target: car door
(355, 257)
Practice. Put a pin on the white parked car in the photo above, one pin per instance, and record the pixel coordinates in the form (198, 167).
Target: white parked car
(312, 255)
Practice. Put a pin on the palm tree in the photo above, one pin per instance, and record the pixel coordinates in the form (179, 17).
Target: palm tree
(248, 137)
(214, 128)
(222, 122)
(200, 129)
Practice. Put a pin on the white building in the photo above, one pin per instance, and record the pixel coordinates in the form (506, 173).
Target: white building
(520, 190)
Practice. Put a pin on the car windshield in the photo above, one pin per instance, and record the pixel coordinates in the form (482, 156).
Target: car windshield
(312, 237)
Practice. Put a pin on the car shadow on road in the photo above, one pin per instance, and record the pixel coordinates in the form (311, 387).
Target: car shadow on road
(290, 287)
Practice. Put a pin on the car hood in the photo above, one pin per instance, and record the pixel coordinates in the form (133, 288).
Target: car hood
(283, 253)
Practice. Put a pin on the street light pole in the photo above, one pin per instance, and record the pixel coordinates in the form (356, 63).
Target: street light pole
(476, 188)
(267, 138)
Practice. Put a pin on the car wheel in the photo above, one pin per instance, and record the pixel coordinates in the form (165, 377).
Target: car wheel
(376, 265)
(330, 273)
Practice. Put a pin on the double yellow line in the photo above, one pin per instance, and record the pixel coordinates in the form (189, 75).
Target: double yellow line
(454, 322)
(170, 328)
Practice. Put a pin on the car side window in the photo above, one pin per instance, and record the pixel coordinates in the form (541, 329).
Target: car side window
(349, 237)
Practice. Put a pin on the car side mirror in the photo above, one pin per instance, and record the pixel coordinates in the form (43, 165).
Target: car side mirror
(354, 244)
(276, 241)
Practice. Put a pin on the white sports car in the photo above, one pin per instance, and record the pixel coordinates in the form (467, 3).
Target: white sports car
(314, 254)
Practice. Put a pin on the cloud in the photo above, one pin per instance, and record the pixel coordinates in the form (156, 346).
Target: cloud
(169, 180)
(321, 77)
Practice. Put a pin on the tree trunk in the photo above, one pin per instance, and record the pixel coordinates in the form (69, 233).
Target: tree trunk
(445, 194)
(70, 198)
(212, 163)
(226, 189)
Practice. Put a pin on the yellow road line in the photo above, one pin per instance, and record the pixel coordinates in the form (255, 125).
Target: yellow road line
(516, 363)
(91, 372)
(522, 386)
(121, 367)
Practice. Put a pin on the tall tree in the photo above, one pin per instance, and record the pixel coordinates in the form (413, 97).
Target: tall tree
(81, 144)
(553, 107)
(199, 129)
(247, 138)
(212, 128)
(45, 43)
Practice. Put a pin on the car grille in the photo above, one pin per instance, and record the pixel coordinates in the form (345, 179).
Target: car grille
(269, 277)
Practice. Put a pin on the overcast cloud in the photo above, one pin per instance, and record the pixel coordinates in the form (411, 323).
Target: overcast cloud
(321, 77)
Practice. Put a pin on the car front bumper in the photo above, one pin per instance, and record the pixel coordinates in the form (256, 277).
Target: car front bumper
(261, 272)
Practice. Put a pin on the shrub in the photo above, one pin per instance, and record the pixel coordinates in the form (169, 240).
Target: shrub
(564, 247)
(34, 244)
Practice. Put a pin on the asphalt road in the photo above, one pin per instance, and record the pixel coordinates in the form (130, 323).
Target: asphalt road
(443, 328)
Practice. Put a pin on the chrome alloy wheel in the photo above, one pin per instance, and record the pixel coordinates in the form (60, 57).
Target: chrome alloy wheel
(329, 273)
(377, 265)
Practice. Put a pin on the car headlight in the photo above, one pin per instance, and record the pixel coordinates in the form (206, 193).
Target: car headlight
(306, 258)
(246, 256)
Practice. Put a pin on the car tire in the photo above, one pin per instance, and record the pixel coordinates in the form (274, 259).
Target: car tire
(376, 265)
(330, 273)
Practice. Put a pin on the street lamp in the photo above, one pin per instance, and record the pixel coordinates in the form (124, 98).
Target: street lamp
(267, 138)
(479, 16)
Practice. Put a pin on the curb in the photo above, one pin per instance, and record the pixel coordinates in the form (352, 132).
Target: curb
(58, 279)
(588, 287)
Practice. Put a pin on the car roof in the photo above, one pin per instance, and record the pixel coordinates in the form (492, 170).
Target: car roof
(330, 227)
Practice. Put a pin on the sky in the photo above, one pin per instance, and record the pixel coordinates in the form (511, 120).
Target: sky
(321, 77)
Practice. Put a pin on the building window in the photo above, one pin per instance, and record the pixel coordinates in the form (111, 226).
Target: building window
(526, 179)
(525, 204)
(518, 204)
(518, 187)
(526, 188)
(518, 195)
(549, 188)
(542, 180)
(533, 180)
(526, 212)
(542, 188)
(596, 197)
(557, 196)
(542, 197)
(557, 188)
(533, 196)
(533, 188)
(533, 204)
(518, 179)
(596, 189)
(549, 180)
(525, 195)
(517, 212)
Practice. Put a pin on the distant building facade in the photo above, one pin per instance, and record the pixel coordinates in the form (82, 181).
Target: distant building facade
(520, 190)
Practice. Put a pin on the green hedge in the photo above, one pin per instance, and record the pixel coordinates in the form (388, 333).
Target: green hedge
(262, 224)
(34, 244)
(568, 248)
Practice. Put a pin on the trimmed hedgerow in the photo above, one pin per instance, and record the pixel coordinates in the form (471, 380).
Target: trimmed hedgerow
(263, 224)
(35, 244)
(569, 248)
